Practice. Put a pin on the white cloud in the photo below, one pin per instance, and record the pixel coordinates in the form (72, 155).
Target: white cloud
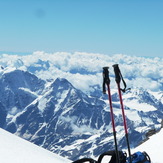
(77, 129)
(84, 69)
(146, 83)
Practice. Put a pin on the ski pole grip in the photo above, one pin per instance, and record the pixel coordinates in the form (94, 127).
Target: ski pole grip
(106, 75)
(117, 73)
(106, 72)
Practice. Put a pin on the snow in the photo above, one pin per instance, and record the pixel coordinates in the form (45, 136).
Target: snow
(42, 103)
(153, 147)
(158, 95)
(61, 97)
(134, 104)
(17, 150)
(28, 91)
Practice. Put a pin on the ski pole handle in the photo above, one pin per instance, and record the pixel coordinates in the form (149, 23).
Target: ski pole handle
(106, 80)
(117, 73)
(106, 75)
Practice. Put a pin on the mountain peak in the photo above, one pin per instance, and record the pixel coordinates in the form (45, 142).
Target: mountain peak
(62, 83)
(18, 78)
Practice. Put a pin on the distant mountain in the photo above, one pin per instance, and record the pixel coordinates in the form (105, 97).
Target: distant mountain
(63, 119)
(17, 90)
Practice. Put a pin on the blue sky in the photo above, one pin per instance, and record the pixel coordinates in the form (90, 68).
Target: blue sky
(132, 27)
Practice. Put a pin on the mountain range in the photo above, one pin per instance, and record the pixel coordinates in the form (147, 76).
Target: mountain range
(70, 121)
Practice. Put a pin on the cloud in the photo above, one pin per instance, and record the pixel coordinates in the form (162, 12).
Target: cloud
(85, 69)
(76, 128)
(146, 83)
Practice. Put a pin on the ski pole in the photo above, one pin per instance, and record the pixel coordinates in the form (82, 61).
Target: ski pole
(118, 77)
(106, 81)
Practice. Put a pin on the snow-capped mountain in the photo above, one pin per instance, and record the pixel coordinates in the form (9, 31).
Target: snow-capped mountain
(63, 119)
(55, 101)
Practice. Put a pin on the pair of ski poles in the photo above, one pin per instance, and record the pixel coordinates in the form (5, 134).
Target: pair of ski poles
(118, 77)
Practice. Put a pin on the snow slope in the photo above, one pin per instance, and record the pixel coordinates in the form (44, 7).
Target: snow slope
(154, 147)
(16, 150)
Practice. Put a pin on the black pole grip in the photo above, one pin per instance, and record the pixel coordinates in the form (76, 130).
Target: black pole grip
(106, 80)
(106, 75)
(117, 73)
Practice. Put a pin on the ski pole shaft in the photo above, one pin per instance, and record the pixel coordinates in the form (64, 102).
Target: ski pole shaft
(118, 79)
(107, 82)
(124, 122)
(113, 124)
(122, 108)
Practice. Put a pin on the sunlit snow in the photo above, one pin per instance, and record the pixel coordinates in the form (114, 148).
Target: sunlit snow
(16, 150)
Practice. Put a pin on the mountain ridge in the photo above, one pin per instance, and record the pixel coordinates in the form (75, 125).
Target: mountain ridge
(69, 122)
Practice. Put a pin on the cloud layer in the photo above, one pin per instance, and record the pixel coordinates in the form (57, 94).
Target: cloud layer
(85, 69)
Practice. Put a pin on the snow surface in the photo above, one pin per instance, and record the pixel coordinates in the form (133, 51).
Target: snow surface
(154, 147)
(134, 104)
(17, 150)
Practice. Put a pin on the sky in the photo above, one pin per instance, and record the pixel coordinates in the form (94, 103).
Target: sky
(96, 26)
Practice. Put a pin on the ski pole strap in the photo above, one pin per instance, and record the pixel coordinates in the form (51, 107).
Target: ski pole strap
(118, 77)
